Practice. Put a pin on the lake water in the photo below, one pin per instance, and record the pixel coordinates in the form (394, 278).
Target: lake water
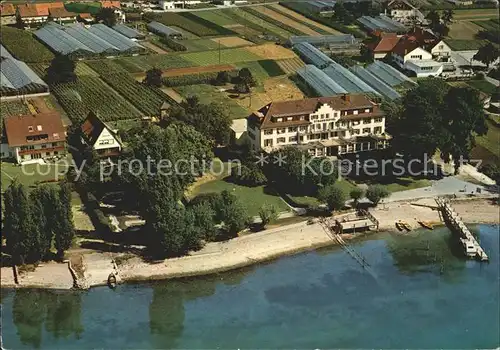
(418, 293)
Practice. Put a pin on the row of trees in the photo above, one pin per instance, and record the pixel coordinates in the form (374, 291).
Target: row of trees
(37, 221)
(335, 196)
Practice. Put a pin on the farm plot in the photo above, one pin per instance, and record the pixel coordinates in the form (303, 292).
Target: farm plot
(145, 98)
(226, 56)
(191, 23)
(474, 14)
(463, 30)
(285, 20)
(217, 17)
(211, 94)
(302, 19)
(266, 26)
(191, 70)
(491, 25)
(232, 41)
(22, 45)
(271, 52)
(92, 94)
(143, 63)
(13, 108)
(199, 44)
(290, 65)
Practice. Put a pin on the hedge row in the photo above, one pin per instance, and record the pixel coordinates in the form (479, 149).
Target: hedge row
(194, 79)
(299, 8)
(272, 21)
(172, 44)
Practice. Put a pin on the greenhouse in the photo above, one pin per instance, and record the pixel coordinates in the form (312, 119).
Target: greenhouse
(387, 72)
(325, 40)
(77, 40)
(163, 30)
(347, 80)
(16, 78)
(130, 33)
(321, 83)
(312, 55)
(381, 23)
(375, 82)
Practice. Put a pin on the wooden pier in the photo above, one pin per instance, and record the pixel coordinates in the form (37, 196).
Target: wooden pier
(472, 248)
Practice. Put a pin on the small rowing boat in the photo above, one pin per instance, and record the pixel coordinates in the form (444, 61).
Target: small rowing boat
(399, 226)
(404, 225)
(427, 225)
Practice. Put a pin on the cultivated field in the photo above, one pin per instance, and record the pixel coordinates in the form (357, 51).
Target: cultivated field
(290, 65)
(191, 23)
(303, 19)
(271, 52)
(143, 63)
(13, 108)
(232, 41)
(226, 56)
(464, 30)
(286, 20)
(266, 26)
(191, 70)
(475, 14)
(216, 17)
(92, 94)
(23, 46)
(199, 44)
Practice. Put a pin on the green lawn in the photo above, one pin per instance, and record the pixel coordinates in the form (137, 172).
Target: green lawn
(199, 44)
(30, 174)
(253, 198)
(462, 45)
(345, 185)
(263, 69)
(209, 94)
(226, 56)
(235, 13)
(487, 146)
(400, 183)
(483, 86)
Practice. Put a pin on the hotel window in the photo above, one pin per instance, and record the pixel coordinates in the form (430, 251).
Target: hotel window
(268, 143)
(366, 130)
(302, 117)
(54, 144)
(355, 132)
(289, 118)
(367, 121)
(378, 120)
(356, 122)
(322, 116)
(281, 130)
(344, 124)
(303, 128)
(327, 115)
(367, 110)
(279, 119)
(377, 130)
(281, 140)
(44, 146)
(292, 129)
(292, 139)
(268, 132)
(355, 112)
(31, 147)
(30, 128)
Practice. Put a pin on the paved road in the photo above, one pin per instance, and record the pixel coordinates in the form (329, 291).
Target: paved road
(446, 186)
(493, 81)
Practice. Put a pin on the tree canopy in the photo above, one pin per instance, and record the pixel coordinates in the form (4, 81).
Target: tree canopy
(153, 77)
(487, 54)
(435, 116)
(107, 15)
(333, 195)
(61, 70)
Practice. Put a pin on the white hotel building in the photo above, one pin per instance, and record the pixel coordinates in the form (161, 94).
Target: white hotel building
(325, 126)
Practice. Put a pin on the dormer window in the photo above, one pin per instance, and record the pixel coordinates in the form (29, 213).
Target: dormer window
(279, 119)
(55, 135)
(39, 127)
(289, 118)
(30, 128)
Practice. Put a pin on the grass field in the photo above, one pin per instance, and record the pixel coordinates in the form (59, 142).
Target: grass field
(253, 198)
(220, 57)
(263, 69)
(487, 146)
(199, 44)
(209, 94)
(483, 86)
(491, 24)
(294, 23)
(30, 174)
(400, 183)
(266, 26)
(143, 63)
(463, 45)
(464, 30)
(216, 17)
(474, 14)
(346, 186)
(24, 46)
(302, 19)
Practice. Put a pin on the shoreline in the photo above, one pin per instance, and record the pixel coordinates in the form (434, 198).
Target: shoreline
(240, 252)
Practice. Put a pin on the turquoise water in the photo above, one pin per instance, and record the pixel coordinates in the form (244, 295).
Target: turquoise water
(418, 293)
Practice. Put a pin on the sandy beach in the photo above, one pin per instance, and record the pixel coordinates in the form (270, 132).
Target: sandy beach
(241, 251)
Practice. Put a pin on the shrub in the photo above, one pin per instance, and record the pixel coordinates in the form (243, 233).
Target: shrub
(333, 195)
(268, 214)
(356, 194)
(377, 192)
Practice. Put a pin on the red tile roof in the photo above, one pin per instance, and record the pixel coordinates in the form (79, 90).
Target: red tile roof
(47, 126)
(43, 8)
(61, 12)
(27, 10)
(111, 4)
(85, 15)
(386, 43)
(7, 10)
(404, 46)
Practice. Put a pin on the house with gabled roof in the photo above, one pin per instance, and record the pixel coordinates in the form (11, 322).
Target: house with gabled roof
(61, 15)
(100, 137)
(383, 45)
(410, 55)
(324, 126)
(7, 14)
(32, 138)
(404, 12)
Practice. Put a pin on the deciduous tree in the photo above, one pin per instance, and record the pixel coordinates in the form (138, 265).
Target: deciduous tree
(356, 194)
(61, 70)
(375, 193)
(153, 77)
(333, 195)
(268, 214)
(107, 15)
(487, 54)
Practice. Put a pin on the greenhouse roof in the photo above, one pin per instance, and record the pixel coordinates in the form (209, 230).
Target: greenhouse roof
(163, 29)
(15, 74)
(319, 81)
(130, 33)
(312, 55)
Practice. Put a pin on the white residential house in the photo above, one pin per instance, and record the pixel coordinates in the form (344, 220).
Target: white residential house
(99, 136)
(441, 50)
(324, 126)
(404, 12)
(177, 4)
(407, 54)
(33, 138)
